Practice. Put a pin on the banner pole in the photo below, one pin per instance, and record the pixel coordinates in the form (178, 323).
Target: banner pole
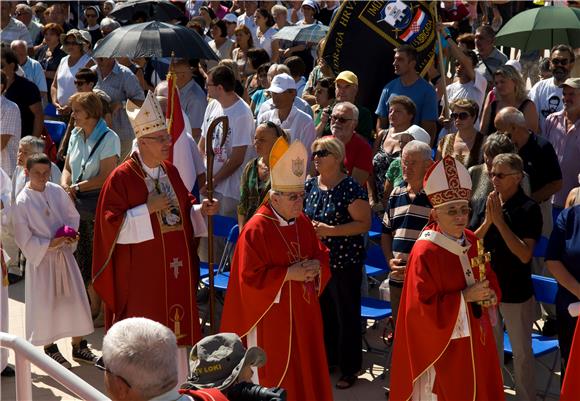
(442, 69)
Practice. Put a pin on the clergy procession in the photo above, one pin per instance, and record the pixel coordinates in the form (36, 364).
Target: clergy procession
(289, 200)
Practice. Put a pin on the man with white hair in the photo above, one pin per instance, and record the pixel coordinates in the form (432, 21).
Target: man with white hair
(406, 214)
(540, 160)
(139, 361)
(443, 334)
(298, 124)
(23, 13)
(10, 28)
(358, 152)
(301, 104)
(32, 69)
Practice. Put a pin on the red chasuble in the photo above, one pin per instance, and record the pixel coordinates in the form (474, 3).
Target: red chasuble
(466, 368)
(156, 279)
(571, 385)
(285, 315)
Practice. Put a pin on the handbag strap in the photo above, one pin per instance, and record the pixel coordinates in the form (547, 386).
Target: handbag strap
(93, 150)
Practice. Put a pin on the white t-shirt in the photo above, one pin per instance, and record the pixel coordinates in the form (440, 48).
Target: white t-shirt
(473, 90)
(241, 133)
(547, 97)
(298, 124)
(265, 40)
(248, 20)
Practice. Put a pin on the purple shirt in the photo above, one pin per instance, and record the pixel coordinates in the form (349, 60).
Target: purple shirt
(567, 147)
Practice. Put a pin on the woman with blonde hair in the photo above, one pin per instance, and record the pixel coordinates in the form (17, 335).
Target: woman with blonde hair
(509, 90)
(340, 212)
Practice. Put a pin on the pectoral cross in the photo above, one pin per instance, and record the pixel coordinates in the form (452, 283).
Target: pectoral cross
(175, 265)
(481, 259)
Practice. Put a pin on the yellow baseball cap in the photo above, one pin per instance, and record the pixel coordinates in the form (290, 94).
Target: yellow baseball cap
(348, 76)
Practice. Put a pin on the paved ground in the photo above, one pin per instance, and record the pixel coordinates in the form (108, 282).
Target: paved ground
(370, 387)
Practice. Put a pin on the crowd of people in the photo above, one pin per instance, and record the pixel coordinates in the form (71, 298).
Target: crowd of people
(109, 223)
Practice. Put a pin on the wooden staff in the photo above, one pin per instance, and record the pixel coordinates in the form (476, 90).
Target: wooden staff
(210, 155)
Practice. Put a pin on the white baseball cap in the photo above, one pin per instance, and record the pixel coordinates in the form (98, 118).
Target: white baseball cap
(281, 83)
(229, 17)
(416, 132)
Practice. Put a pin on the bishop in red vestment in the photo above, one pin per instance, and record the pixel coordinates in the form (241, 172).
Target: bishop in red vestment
(145, 253)
(444, 346)
(279, 270)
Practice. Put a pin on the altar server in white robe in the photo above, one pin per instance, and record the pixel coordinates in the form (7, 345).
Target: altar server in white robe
(56, 301)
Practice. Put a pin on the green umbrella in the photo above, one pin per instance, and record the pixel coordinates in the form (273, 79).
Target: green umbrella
(541, 28)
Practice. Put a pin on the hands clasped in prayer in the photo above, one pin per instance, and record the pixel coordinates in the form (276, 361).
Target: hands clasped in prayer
(305, 270)
(480, 293)
(61, 241)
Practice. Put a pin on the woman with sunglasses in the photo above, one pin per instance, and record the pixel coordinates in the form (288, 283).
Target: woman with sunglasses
(509, 90)
(465, 144)
(93, 153)
(340, 212)
(63, 84)
(255, 181)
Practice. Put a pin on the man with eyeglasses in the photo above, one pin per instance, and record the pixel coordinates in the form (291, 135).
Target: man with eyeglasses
(279, 270)
(510, 226)
(490, 58)
(23, 13)
(443, 335)
(147, 230)
(358, 153)
(547, 93)
(11, 28)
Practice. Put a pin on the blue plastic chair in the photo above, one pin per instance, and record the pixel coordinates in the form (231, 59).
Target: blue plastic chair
(222, 276)
(545, 289)
(50, 110)
(541, 247)
(222, 226)
(56, 130)
(377, 310)
(376, 228)
(375, 263)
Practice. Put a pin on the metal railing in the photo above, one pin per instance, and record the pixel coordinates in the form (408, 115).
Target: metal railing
(26, 354)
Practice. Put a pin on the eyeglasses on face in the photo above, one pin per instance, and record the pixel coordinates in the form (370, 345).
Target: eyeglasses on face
(70, 43)
(159, 139)
(560, 61)
(340, 119)
(461, 115)
(91, 15)
(501, 176)
(293, 196)
(100, 364)
(320, 153)
(462, 211)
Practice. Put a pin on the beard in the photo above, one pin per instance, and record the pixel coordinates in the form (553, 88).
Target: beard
(560, 73)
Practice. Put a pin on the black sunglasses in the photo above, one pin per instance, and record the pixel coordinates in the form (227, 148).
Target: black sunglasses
(560, 61)
(340, 119)
(100, 364)
(462, 115)
(320, 153)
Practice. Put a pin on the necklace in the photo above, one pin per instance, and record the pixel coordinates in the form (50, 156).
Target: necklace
(155, 180)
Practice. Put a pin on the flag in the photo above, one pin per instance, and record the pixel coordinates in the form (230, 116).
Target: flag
(364, 34)
(180, 154)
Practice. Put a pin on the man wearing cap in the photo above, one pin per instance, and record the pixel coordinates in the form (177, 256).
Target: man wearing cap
(286, 115)
(146, 227)
(219, 362)
(138, 364)
(358, 152)
(406, 214)
(279, 270)
(443, 335)
(562, 129)
(410, 84)
(346, 89)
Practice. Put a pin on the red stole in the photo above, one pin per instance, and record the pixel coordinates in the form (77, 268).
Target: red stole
(156, 279)
(428, 313)
(285, 314)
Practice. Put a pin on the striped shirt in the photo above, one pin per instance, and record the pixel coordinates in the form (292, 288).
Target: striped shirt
(404, 220)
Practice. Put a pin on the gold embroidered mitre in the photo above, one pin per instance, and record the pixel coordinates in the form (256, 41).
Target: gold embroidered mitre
(447, 181)
(147, 119)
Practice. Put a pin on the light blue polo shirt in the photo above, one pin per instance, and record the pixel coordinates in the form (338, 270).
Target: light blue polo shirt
(79, 150)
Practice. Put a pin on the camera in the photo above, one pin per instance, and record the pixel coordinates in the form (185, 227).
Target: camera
(254, 392)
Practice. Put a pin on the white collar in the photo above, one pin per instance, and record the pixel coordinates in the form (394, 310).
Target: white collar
(281, 220)
(150, 171)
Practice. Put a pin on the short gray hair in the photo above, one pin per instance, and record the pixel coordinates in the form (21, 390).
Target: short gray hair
(109, 23)
(36, 144)
(278, 8)
(512, 116)
(276, 69)
(418, 147)
(512, 160)
(144, 353)
(350, 106)
(17, 43)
